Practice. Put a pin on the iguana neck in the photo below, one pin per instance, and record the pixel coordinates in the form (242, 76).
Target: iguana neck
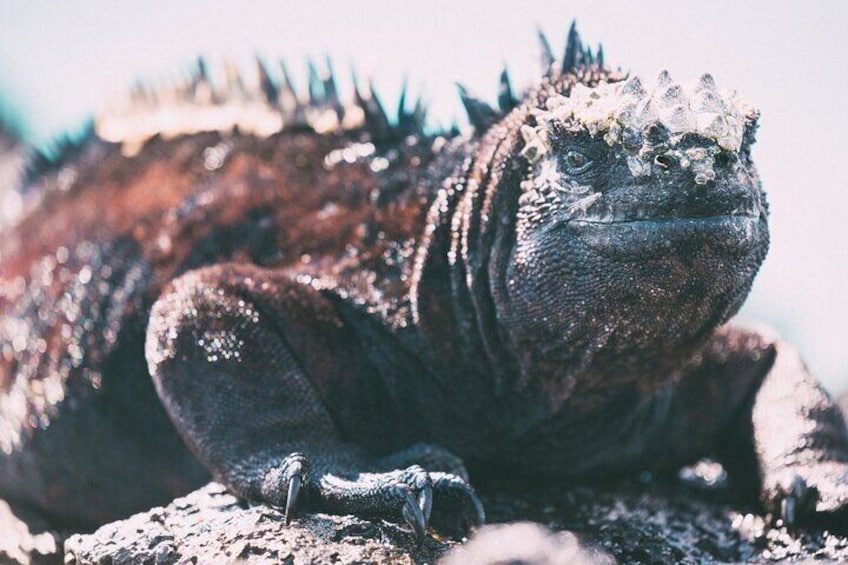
(461, 256)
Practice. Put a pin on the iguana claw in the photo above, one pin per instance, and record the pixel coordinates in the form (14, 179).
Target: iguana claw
(286, 478)
(789, 510)
(479, 517)
(457, 507)
(414, 516)
(792, 497)
(293, 492)
(425, 502)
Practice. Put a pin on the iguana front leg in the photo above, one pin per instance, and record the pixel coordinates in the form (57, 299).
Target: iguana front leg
(238, 355)
(800, 444)
(750, 397)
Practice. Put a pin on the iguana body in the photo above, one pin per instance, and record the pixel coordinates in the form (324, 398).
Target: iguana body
(338, 313)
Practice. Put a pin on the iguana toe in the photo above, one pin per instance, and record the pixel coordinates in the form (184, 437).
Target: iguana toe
(289, 478)
(404, 494)
(425, 501)
(812, 494)
(788, 498)
(457, 508)
(413, 514)
(293, 492)
(796, 497)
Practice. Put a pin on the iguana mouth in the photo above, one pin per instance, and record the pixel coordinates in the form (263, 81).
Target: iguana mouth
(640, 238)
(662, 219)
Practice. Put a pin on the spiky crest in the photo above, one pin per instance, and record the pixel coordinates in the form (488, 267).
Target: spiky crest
(10, 126)
(480, 114)
(268, 87)
(546, 54)
(55, 154)
(267, 105)
(573, 56)
(376, 119)
(506, 99)
(579, 65)
(412, 121)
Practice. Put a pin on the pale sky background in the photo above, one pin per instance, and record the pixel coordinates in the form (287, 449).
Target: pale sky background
(60, 60)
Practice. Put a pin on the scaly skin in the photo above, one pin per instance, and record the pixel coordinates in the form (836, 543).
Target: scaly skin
(343, 321)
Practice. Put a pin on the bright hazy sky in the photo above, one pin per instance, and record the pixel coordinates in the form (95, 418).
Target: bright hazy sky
(58, 60)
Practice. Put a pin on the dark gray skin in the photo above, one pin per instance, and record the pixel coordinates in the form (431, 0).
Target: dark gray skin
(347, 337)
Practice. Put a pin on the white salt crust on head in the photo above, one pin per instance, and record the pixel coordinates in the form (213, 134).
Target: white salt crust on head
(612, 108)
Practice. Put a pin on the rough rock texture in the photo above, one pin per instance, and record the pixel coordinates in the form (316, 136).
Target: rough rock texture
(665, 521)
(211, 526)
(634, 521)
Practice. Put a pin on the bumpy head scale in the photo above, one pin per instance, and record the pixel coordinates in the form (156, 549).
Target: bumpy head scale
(625, 112)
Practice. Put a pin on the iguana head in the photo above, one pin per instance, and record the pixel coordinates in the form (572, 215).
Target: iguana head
(639, 219)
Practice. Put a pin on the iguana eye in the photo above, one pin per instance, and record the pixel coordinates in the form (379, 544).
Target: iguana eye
(576, 162)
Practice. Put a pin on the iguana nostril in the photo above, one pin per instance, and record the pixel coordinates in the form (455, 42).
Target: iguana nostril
(665, 162)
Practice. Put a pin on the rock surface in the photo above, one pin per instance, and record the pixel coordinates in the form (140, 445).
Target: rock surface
(633, 521)
(211, 526)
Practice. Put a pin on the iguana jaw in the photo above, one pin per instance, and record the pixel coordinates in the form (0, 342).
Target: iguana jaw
(621, 225)
(640, 239)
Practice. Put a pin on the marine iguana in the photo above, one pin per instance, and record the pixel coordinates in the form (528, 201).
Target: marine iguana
(340, 313)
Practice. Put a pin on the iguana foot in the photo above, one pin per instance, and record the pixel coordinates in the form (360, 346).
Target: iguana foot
(810, 494)
(287, 478)
(413, 495)
(255, 418)
(457, 509)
